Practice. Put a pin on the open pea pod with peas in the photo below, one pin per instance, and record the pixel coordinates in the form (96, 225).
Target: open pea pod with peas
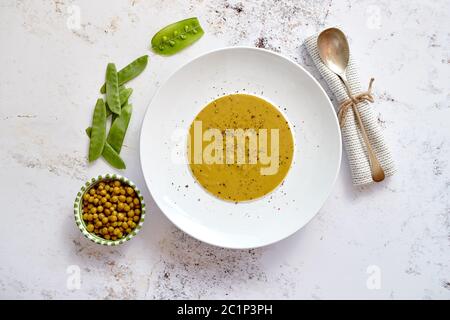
(177, 36)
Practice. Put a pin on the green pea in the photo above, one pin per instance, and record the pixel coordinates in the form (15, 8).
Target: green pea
(124, 95)
(109, 154)
(119, 128)
(130, 72)
(188, 30)
(112, 89)
(98, 135)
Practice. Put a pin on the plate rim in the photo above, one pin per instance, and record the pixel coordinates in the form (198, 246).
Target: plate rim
(294, 63)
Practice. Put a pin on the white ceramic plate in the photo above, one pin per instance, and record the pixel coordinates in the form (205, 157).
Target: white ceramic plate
(317, 154)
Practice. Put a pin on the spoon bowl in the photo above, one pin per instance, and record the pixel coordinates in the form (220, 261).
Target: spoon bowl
(334, 50)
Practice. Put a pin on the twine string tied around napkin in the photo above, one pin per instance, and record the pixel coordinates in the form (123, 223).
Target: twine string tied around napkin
(353, 101)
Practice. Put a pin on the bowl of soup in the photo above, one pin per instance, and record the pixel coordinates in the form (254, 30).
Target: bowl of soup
(240, 147)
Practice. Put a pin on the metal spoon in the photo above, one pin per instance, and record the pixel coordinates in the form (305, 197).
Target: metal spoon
(335, 54)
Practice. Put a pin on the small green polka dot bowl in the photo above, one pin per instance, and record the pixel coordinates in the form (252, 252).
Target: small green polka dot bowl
(78, 210)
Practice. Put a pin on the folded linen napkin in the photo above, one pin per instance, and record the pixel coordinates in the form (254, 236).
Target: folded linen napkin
(351, 133)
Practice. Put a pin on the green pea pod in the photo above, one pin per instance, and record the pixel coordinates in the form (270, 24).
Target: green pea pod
(119, 128)
(177, 36)
(130, 72)
(124, 95)
(112, 157)
(109, 154)
(98, 135)
(112, 89)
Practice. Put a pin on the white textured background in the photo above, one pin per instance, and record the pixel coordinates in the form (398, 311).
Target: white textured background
(49, 80)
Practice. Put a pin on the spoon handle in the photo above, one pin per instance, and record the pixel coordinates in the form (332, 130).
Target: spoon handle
(375, 167)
